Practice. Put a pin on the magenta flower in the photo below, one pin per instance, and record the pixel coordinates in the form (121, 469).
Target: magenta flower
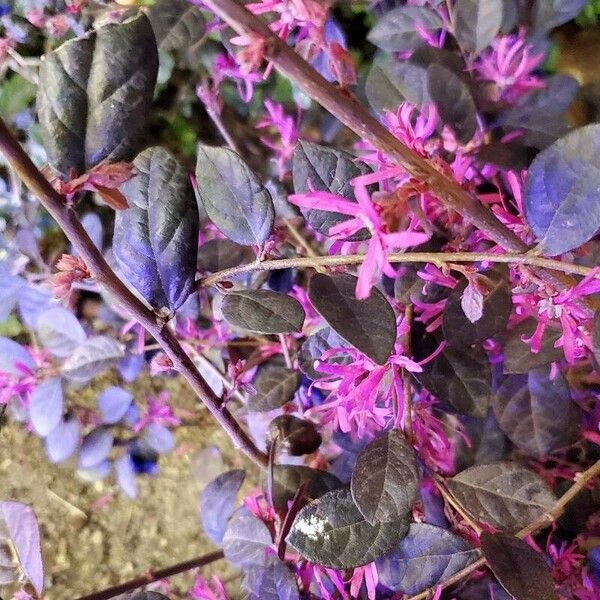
(158, 411)
(510, 63)
(368, 574)
(364, 213)
(204, 590)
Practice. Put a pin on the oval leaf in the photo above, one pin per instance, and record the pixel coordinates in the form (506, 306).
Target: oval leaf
(323, 169)
(156, 238)
(246, 540)
(518, 357)
(476, 22)
(92, 357)
(537, 413)
(46, 406)
(561, 191)
(453, 100)
(20, 522)
(13, 356)
(114, 402)
(275, 385)
(384, 480)
(95, 95)
(503, 494)
(63, 440)
(263, 311)
(523, 572)
(59, 331)
(177, 24)
(233, 197)
(217, 503)
(332, 532)
(425, 557)
(274, 581)
(368, 325)
(95, 447)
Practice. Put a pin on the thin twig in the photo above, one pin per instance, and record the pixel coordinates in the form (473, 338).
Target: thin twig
(289, 520)
(437, 258)
(581, 481)
(216, 119)
(455, 504)
(68, 221)
(153, 576)
(285, 351)
(406, 378)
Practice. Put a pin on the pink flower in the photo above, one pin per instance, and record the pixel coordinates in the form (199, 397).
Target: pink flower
(509, 63)
(158, 411)
(369, 575)
(364, 214)
(203, 590)
(70, 270)
(287, 128)
(228, 67)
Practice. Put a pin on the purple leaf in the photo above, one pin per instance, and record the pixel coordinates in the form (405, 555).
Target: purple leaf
(59, 331)
(126, 475)
(97, 472)
(10, 288)
(273, 581)
(92, 357)
(246, 540)
(62, 441)
(114, 402)
(159, 438)
(46, 406)
(130, 366)
(95, 447)
(93, 226)
(20, 523)
(217, 502)
(12, 353)
(32, 302)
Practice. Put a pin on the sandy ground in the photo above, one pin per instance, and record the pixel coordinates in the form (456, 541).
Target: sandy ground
(87, 549)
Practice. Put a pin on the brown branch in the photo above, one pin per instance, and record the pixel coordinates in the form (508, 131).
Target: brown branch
(581, 481)
(152, 576)
(356, 117)
(66, 218)
(437, 258)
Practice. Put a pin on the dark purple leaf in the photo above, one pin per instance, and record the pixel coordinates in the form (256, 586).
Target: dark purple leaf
(483, 588)
(63, 440)
(518, 357)
(548, 14)
(523, 572)
(95, 447)
(454, 101)
(288, 478)
(425, 557)
(246, 540)
(541, 114)
(505, 495)
(95, 95)
(536, 412)
(511, 156)
(125, 472)
(233, 197)
(384, 481)
(476, 23)
(561, 191)
(273, 581)
(313, 348)
(368, 325)
(459, 330)
(19, 524)
(92, 357)
(217, 503)
(275, 385)
(294, 436)
(113, 403)
(398, 29)
(59, 331)
(461, 379)
(46, 406)
(319, 168)
(13, 354)
(216, 255)
(331, 531)
(156, 238)
(263, 311)
(177, 24)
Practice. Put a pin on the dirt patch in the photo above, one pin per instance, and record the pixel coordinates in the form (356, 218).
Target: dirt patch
(87, 548)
